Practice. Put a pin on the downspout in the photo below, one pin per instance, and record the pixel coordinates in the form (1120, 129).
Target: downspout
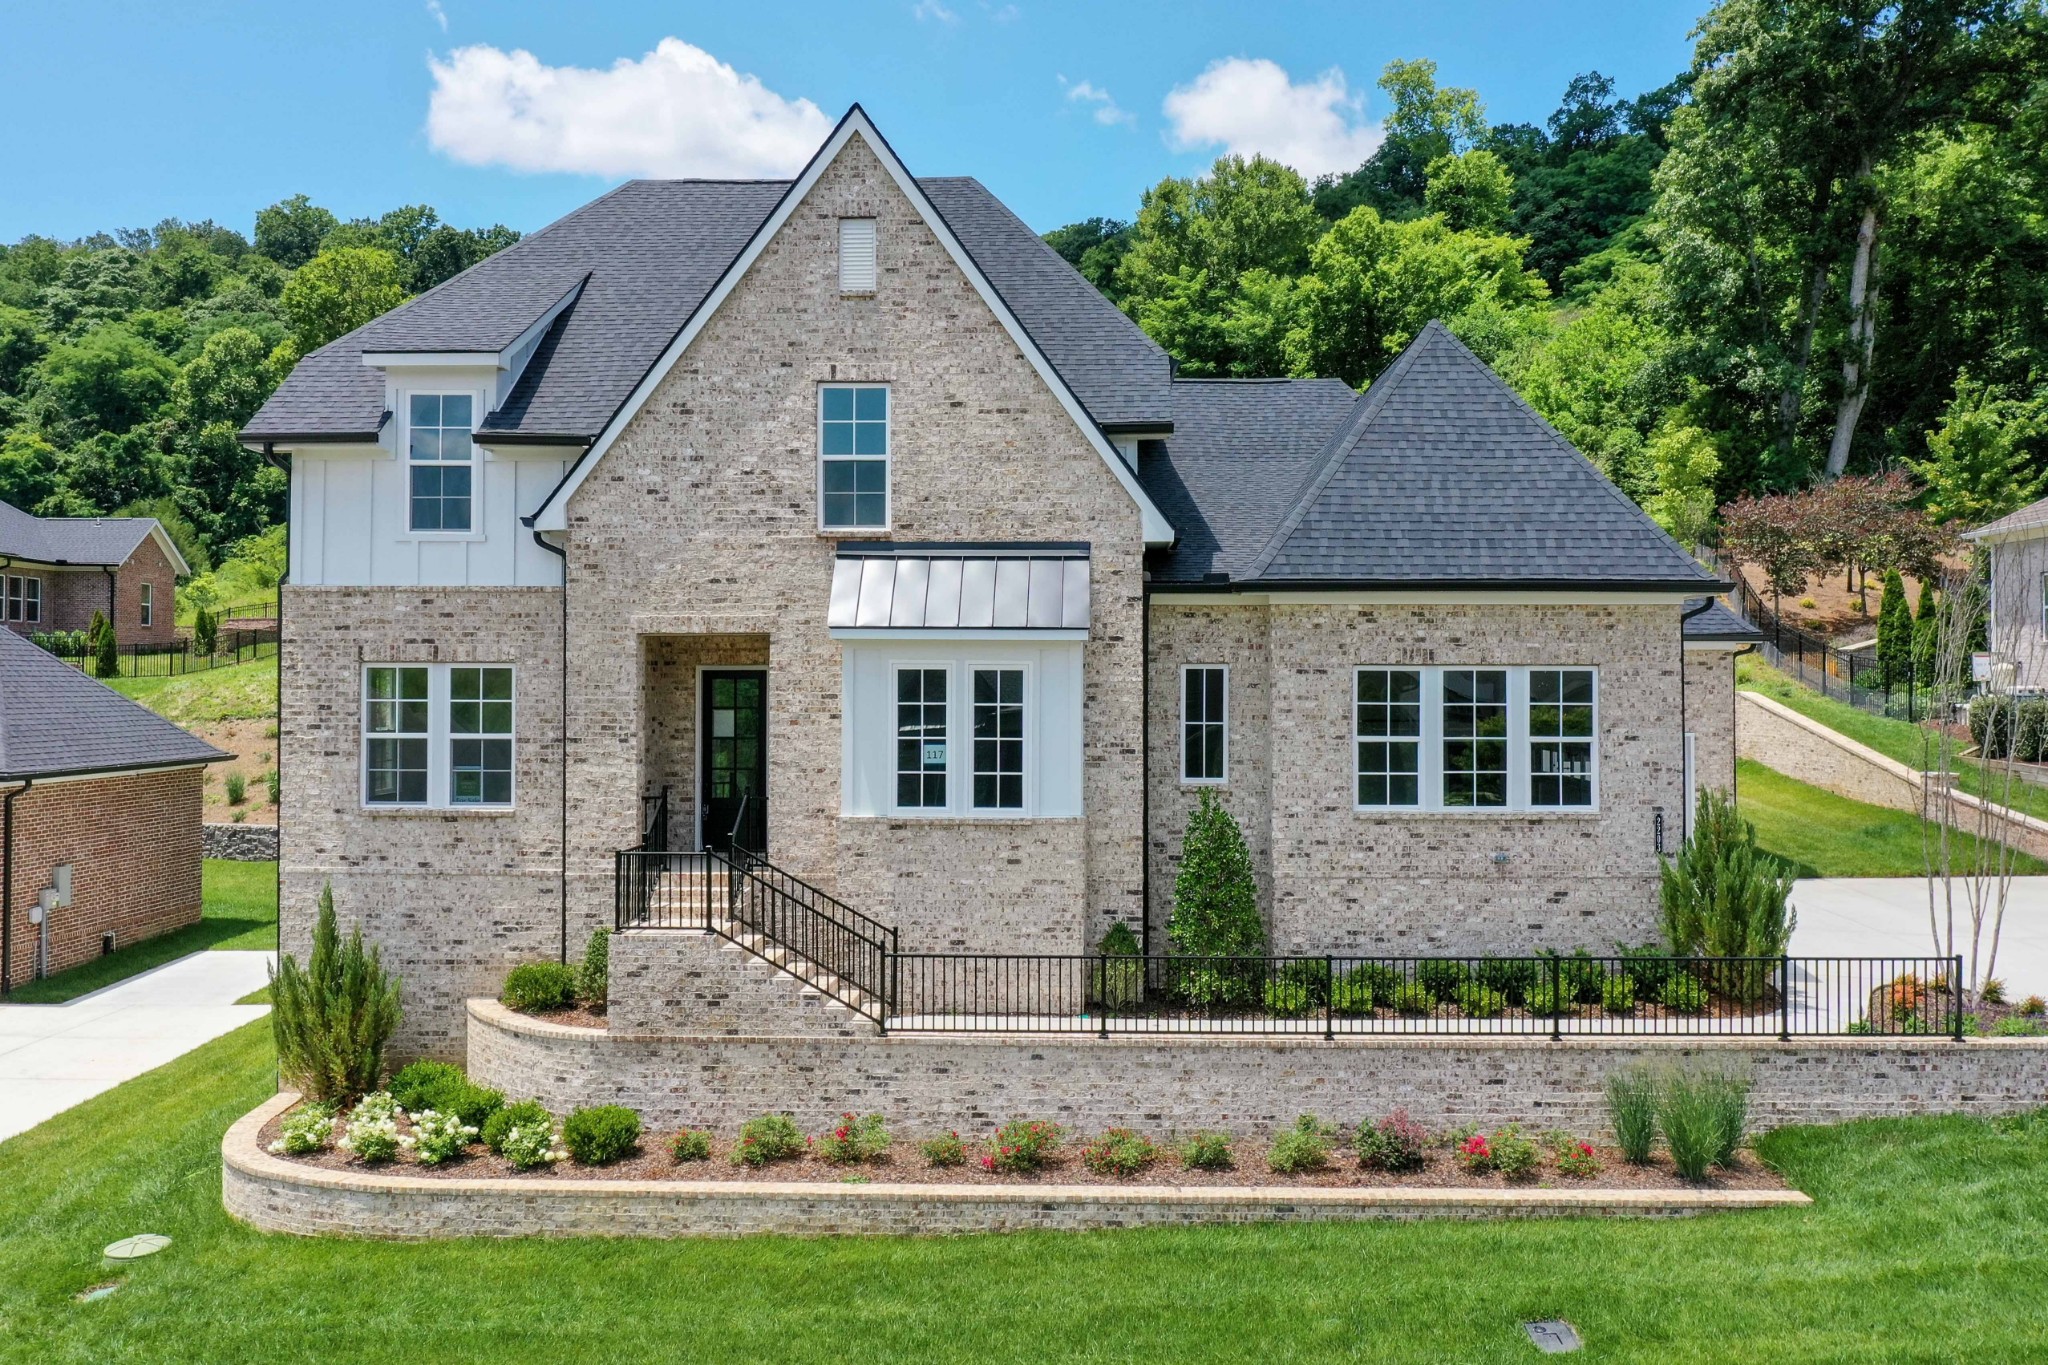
(270, 456)
(1685, 817)
(1144, 764)
(563, 555)
(7, 885)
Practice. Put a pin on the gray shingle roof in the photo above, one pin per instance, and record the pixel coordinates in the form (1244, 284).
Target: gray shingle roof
(1442, 474)
(2032, 517)
(652, 250)
(1235, 463)
(1719, 622)
(54, 720)
(71, 540)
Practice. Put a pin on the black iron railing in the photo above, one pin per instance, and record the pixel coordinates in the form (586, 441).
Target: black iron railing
(242, 633)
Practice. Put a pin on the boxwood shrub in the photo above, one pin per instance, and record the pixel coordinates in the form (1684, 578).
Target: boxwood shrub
(600, 1134)
(534, 986)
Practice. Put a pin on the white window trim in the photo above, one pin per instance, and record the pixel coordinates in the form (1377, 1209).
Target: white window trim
(965, 762)
(148, 614)
(1431, 783)
(896, 668)
(887, 457)
(1185, 780)
(476, 464)
(440, 757)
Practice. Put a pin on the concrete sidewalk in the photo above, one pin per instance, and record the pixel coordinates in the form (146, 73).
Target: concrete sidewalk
(1887, 917)
(55, 1056)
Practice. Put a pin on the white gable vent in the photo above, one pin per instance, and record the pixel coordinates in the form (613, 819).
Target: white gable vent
(856, 255)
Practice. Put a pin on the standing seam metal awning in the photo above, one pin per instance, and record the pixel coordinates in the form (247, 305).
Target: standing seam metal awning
(978, 587)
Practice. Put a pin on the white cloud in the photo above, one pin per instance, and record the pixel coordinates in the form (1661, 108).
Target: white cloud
(932, 9)
(1106, 110)
(677, 111)
(1251, 106)
(1001, 14)
(440, 15)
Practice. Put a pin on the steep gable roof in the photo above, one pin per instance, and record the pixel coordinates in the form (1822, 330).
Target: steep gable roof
(1442, 474)
(55, 721)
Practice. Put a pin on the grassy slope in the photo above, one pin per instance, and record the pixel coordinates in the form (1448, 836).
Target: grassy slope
(240, 911)
(238, 692)
(1901, 740)
(1923, 1246)
(1825, 835)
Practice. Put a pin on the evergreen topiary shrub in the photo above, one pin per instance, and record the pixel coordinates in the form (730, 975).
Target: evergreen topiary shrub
(1894, 632)
(593, 979)
(600, 1134)
(106, 651)
(1725, 897)
(536, 986)
(332, 1018)
(1216, 908)
(205, 631)
(1119, 980)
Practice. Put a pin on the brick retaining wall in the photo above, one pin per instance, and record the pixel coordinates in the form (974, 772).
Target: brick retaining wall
(926, 1083)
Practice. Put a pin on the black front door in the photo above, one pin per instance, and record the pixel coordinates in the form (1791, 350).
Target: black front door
(735, 758)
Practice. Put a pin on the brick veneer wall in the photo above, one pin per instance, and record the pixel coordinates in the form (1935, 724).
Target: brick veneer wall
(662, 981)
(1710, 715)
(71, 596)
(133, 844)
(927, 1083)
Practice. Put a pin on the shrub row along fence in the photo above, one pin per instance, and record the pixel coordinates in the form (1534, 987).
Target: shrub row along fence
(245, 632)
(1547, 996)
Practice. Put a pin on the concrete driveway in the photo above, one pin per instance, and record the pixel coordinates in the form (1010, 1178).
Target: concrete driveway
(1887, 917)
(55, 1056)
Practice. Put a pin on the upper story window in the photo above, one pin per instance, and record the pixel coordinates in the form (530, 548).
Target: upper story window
(437, 735)
(1204, 723)
(25, 598)
(148, 603)
(853, 456)
(441, 461)
(856, 255)
(1476, 738)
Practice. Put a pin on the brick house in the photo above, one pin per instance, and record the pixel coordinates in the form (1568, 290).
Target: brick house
(99, 817)
(55, 572)
(845, 514)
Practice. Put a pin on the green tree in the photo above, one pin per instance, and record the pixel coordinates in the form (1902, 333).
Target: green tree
(176, 525)
(1216, 909)
(21, 346)
(1684, 462)
(1926, 636)
(1425, 123)
(1988, 457)
(225, 383)
(1600, 377)
(108, 380)
(1894, 632)
(1095, 247)
(29, 469)
(106, 650)
(291, 230)
(1725, 897)
(336, 292)
(1472, 191)
(333, 1017)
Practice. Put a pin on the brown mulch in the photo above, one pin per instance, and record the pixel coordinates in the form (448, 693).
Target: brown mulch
(904, 1165)
(575, 1017)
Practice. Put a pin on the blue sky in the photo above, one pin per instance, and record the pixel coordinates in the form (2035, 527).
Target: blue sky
(120, 114)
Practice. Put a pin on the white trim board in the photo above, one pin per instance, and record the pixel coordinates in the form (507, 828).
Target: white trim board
(552, 514)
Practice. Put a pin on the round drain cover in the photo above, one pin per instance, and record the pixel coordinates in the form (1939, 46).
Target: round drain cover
(136, 1247)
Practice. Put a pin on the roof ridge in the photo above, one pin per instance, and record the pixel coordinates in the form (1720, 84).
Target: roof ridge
(1370, 404)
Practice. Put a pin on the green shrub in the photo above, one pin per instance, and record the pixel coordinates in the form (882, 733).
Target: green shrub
(525, 1114)
(237, 788)
(1475, 1153)
(205, 631)
(371, 1134)
(1207, 1151)
(944, 1150)
(1515, 1154)
(1548, 999)
(273, 786)
(854, 1139)
(1352, 993)
(1574, 1158)
(1651, 965)
(1723, 896)
(1118, 984)
(1894, 632)
(2017, 1026)
(532, 987)
(770, 1137)
(1632, 1110)
(1312, 974)
(1683, 993)
(106, 651)
(1511, 976)
(1727, 1096)
(1480, 1003)
(2033, 1006)
(421, 1085)
(600, 1134)
(1441, 976)
(1304, 1147)
(1022, 1146)
(1395, 1143)
(1118, 1152)
(439, 1137)
(1618, 994)
(528, 1145)
(593, 978)
(692, 1144)
(1286, 999)
(1413, 999)
(332, 1018)
(308, 1128)
(1215, 904)
(1692, 1124)
(1992, 992)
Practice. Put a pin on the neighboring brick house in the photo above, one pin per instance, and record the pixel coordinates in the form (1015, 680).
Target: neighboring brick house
(55, 572)
(844, 511)
(99, 817)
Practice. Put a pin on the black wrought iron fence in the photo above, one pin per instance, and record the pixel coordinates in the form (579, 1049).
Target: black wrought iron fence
(244, 633)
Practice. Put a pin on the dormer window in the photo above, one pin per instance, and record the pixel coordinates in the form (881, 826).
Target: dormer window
(856, 255)
(441, 459)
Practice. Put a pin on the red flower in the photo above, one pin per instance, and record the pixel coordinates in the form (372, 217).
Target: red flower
(988, 1163)
(839, 1133)
(1475, 1146)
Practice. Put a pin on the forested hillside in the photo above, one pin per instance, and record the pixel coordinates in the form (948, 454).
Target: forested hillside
(1822, 248)
(128, 361)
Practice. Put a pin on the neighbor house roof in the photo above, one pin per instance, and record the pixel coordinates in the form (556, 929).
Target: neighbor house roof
(55, 722)
(648, 254)
(1439, 474)
(79, 540)
(2031, 518)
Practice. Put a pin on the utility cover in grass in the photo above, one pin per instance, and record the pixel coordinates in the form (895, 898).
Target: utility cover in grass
(1553, 1336)
(136, 1247)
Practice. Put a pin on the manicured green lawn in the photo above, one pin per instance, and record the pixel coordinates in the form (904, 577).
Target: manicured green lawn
(237, 692)
(1904, 741)
(1924, 1245)
(239, 911)
(1824, 835)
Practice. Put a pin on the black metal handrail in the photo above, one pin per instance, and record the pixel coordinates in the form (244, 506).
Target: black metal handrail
(654, 820)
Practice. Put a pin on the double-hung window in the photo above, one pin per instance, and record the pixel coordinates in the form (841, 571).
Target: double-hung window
(1476, 739)
(441, 462)
(437, 735)
(853, 457)
(1204, 723)
(921, 738)
(148, 603)
(25, 598)
(998, 739)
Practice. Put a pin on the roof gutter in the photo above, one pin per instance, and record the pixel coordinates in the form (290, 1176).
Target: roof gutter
(486, 436)
(1694, 586)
